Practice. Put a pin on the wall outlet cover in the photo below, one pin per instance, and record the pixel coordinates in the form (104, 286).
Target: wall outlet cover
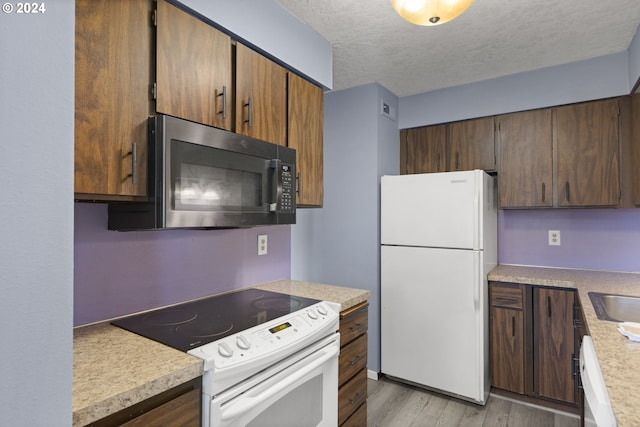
(554, 237)
(262, 244)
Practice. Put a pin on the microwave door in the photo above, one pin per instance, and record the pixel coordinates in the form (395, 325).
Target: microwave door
(212, 187)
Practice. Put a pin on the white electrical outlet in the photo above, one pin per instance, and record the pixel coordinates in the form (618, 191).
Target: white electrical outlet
(262, 244)
(554, 237)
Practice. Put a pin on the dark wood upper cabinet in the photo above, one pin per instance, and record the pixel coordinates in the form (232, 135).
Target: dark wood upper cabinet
(194, 69)
(588, 147)
(554, 348)
(261, 97)
(113, 69)
(305, 135)
(525, 146)
(423, 149)
(472, 145)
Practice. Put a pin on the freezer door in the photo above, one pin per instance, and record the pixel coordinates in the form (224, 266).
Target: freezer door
(434, 324)
(435, 210)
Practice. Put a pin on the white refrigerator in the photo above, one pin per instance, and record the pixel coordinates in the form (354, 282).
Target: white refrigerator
(438, 243)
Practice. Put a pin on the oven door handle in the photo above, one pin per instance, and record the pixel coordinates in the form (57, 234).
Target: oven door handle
(274, 385)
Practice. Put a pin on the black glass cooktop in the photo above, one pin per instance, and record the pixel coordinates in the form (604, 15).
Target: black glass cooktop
(195, 323)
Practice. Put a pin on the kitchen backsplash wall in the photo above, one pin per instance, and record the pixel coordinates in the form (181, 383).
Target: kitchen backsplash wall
(118, 273)
(594, 239)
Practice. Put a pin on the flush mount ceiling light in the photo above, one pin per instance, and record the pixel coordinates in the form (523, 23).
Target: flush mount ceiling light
(430, 12)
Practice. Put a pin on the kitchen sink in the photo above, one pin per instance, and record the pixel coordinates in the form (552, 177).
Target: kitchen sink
(616, 308)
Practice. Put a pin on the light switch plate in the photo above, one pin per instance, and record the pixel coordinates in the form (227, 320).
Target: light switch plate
(262, 244)
(554, 237)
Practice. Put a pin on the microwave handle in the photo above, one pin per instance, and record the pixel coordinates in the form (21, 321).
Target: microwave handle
(276, 188)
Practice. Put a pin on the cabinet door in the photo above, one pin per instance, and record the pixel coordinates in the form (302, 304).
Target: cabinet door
(588, 154)
(305, 121)
(179, 406)
(472, 145)
(423, 149)
(525, 153)
(553, 343)
(183, 411)
(193, 69)
(112, 102)
(507, 349)
(261, 97)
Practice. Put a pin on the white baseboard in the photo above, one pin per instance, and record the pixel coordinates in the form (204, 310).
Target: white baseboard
(373, 375)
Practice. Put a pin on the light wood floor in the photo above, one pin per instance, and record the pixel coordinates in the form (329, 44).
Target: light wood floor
(396, 404)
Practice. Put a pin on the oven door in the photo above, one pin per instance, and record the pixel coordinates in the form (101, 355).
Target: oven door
(300, 391)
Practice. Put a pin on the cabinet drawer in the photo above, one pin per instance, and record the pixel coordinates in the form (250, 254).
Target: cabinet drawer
(359, 417)
(506, 296)
(353, 323)
(176, 407)
(183, 411)
(352, 395)
(353, 357)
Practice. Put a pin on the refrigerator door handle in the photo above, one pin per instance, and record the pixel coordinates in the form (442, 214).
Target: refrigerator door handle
(476, 285)
(477, 191)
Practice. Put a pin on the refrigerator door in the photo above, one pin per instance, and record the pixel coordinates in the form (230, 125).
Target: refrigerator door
(435, 210)
(433, 319)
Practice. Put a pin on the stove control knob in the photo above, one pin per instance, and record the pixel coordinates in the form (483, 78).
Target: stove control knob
(243, 343)
(225, 349)
(322, 310)
(312, 314)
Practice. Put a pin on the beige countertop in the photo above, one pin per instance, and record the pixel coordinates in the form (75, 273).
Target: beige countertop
(618, 357)
(346, 297)
(114, 368)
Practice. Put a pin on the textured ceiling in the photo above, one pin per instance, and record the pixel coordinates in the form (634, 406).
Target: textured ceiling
(493, 38)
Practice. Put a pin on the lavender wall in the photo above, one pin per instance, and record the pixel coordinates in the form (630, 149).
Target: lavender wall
(595, 239)
(118, 273)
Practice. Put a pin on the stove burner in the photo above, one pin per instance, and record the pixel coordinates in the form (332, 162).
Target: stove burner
(284, 302)
(210, 328)
(170, 317)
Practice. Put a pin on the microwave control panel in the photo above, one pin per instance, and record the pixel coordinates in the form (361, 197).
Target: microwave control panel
(287, 180)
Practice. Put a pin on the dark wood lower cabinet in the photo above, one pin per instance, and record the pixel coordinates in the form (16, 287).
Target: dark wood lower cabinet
(351, 396)
(358, 418)
(352, 372)
(553, 344)
(535, 340)
(507, 357)
(177, 407)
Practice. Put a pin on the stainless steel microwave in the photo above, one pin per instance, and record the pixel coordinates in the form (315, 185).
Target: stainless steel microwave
(204, 177)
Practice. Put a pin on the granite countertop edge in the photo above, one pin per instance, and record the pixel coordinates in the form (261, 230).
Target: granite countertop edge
(114, 369)
(619, 358)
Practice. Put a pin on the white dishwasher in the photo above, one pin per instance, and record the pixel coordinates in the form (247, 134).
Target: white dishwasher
(597, 407)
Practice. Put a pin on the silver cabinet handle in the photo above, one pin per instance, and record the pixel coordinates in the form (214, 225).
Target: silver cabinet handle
(355, 398)
(358, 358)
(134, 161)
(356, 327)
(249, 106)
(224, 102)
